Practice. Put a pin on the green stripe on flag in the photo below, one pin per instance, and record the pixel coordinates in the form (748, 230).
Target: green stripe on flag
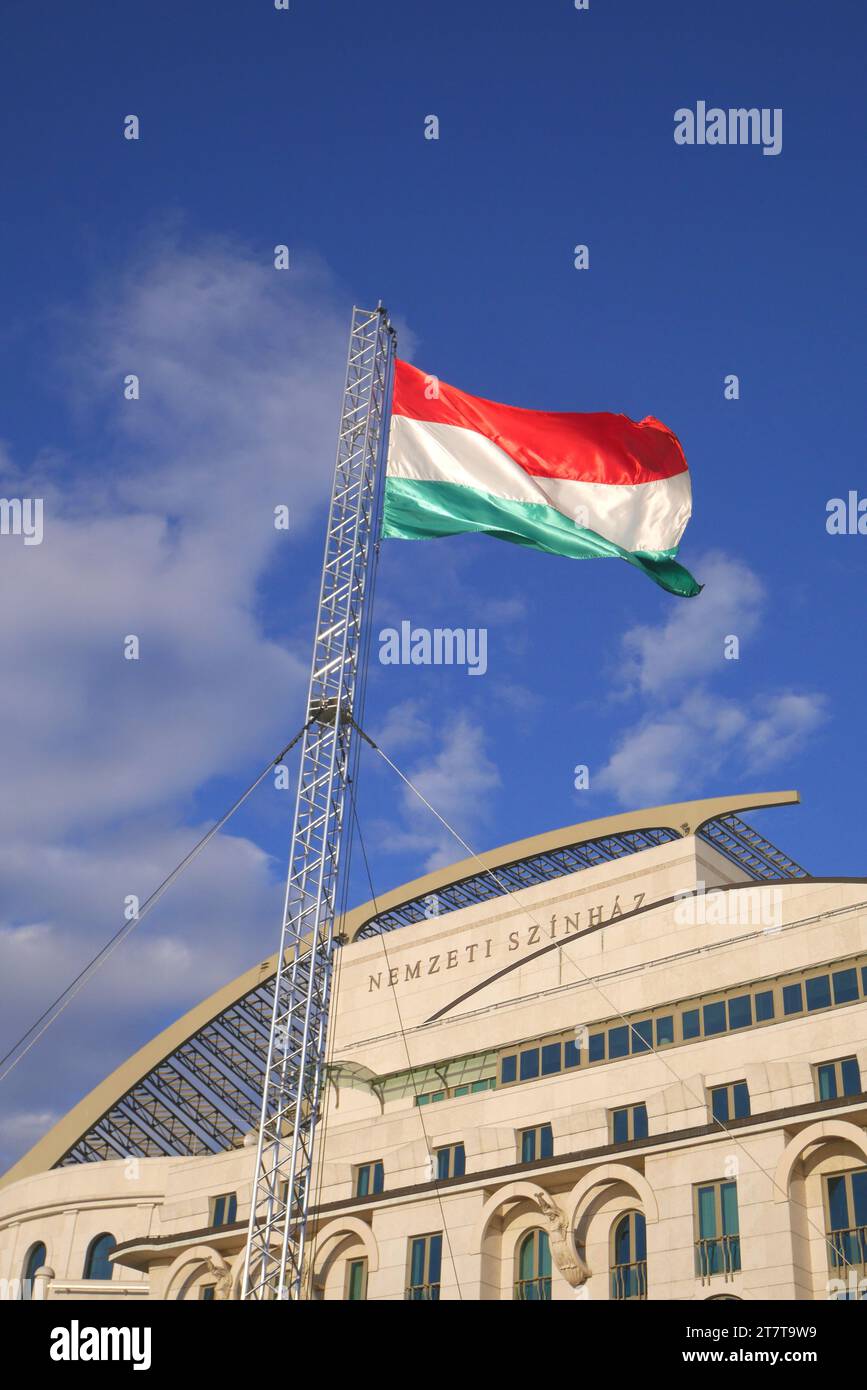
(416, 511)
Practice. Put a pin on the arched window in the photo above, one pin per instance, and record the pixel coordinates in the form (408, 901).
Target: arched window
(534, 1268)
(629, 1257)
(35, 1258)
(97, 1264)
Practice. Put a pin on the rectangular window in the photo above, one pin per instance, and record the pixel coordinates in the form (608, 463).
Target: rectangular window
(846, 1222)
(665, 1030)
(552, 1058)
(224, 1209)
(819, 992)
(430, 1097)
(473, 1087)
(537, 1142)
(731, 1102)
(530, 1064)
(839, 1078)
(369, 1178)
(597, 1047)
(451, 1161)
(714, 1018)
(764, 1005)
(356, 1281)
(642, 1036)
(508, 1070)
(740, 1011)
(571, 1053)
(845, 986)
(717, 1243)
(618, 1042)
(425, 1263)
(691, 1020)
(628, 1123)
(793, 1002)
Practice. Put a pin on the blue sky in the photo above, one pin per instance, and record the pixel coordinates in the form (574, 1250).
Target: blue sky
(261, 127)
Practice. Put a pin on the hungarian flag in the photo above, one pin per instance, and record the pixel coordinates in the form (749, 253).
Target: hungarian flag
(583, 486)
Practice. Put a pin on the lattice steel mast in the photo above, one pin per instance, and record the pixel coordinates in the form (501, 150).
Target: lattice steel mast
(296, 1051)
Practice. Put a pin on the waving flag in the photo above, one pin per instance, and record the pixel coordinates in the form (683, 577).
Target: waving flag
(583, 486)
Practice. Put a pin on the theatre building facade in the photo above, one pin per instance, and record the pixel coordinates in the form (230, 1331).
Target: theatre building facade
(621, 1061)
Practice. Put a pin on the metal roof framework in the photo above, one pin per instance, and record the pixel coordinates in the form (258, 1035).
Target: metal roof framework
(205, 1096)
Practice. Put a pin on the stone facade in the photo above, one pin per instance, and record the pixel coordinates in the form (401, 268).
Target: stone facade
(432, 1010)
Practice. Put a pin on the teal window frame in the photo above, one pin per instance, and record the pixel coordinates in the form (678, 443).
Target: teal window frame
(370, 1178)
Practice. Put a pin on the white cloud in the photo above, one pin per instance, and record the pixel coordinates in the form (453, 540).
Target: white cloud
(459, 781)
(690, 735)
(675, 752)
(690, 642)
(164, 529)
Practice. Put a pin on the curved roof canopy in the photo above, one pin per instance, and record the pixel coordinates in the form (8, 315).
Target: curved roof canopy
(196, 1087)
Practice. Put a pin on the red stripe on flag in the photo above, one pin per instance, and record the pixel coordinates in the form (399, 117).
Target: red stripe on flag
(592, 448)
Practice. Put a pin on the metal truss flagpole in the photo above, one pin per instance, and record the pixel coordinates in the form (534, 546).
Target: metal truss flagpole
(274, 1261)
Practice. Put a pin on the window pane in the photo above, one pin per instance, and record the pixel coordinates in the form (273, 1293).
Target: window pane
(356, 1280)
(691, 1023)
(363, 1184)
(620, 1126)
(597, 1047)
(443, 1163)
(618, 1042)
(764, 1005)
(792, 1000)
(639, 1122)
(742, 1100)
(508, 1069)
(460, 1161)
(729, 1201)
(827, 1082)
(437, 1095)
(435, 1259)
(462, 1090)
(530, 1064)
(859, 1193)
(623, 1242)
(851, 1077)
(571, 1053)
(546, 1142)
(544, 1256)
(640, 1227)
(719, 1099)
(528, 1146)
(740, 1011)
(416, 1275)
(819, 992)
(845, 985)
(232, 1208)
(642, 1036)
(714, 1018)
(838, 1205)
(706, 1213)
(218, 1211)
(664, 1030)
(552, 1058)
(527, 1257)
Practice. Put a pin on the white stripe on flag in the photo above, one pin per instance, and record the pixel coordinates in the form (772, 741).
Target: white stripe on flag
(638, 517)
